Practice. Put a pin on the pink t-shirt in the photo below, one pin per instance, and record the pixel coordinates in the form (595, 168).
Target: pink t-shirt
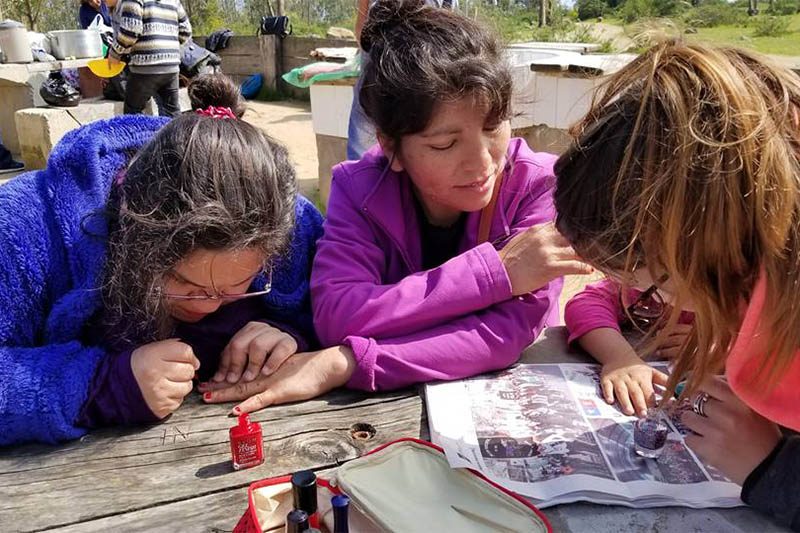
(781, 404)
(598, 306)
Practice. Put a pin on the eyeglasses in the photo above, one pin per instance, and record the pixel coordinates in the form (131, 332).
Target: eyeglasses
(267, 288)
(648, 309)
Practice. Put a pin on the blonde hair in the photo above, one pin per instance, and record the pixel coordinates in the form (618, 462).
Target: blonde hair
(687, 164)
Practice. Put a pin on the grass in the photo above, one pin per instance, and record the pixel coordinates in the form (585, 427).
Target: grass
(788, 44)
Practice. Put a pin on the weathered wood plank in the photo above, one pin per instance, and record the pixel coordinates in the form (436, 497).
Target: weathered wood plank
(188, 457)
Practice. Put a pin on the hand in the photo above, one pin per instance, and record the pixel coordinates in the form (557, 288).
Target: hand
(732, 437)
(252, 345)
(164, 371)
(303, 376)
(537, 256)
(670, 348)
(631, 380)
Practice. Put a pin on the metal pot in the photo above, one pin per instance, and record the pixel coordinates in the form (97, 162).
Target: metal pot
(14, 43)
(76, 44)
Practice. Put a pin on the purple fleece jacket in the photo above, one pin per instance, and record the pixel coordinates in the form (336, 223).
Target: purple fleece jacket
(407, 325)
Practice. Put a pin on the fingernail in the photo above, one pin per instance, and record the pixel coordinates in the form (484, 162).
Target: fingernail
(248, 375)
(236, 411)
(207, 396)
(218, 377)
(266, 371)
(232, 378)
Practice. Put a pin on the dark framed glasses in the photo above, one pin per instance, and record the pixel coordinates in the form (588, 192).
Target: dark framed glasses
(648, 310)
(206, 296)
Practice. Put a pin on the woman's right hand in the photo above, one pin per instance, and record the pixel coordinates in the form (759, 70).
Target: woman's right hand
(538, 255)
(164, 371)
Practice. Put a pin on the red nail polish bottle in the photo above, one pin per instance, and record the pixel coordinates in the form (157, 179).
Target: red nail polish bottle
(247, 445)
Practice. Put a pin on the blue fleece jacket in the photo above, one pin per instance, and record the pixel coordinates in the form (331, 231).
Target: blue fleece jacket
(50, 269)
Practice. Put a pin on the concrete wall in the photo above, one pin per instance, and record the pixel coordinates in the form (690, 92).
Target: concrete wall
(272, 56)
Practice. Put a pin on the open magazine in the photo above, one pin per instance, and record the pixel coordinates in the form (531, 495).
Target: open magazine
(544, 432)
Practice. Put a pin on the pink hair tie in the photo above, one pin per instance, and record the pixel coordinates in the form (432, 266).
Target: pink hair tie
(216, 112)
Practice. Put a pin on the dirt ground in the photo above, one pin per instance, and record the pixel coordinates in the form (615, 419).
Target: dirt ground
(290, 123)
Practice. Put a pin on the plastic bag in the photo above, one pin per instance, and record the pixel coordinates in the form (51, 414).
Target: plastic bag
(98, 25)
(307, 75)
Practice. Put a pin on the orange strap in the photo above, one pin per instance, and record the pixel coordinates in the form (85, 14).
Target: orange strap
(487, 212)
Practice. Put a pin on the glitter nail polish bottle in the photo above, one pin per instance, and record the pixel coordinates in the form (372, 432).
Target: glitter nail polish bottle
(650, 435)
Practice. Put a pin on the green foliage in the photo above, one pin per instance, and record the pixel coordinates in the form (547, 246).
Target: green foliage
(590, 9)
(633, 10)
(770, 26)
(711, 14)
(784, 7)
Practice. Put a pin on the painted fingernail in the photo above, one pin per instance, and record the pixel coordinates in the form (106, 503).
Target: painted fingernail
(249, 375)
(236, 411)
(232, 378)
(207, 396)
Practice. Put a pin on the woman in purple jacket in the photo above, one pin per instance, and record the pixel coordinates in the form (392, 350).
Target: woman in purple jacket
(402, 278)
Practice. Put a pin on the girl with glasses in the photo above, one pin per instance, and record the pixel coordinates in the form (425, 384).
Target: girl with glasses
(688, 164)
(146, 254)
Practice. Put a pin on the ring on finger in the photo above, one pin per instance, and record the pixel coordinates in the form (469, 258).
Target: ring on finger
(699, 403)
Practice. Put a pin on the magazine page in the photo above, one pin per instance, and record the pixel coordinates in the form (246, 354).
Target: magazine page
(544, 431)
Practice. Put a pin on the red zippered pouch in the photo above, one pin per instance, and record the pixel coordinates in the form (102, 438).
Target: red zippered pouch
(404, 486)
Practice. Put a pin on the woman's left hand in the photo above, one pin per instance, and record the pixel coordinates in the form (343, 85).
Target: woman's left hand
(732, 437)
(302, 376)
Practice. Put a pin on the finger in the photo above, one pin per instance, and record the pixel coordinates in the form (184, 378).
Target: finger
(649, 395)
(719, 389)
(699, 424)
(238, 349)
(638, 399)
(608, 390)
(209, 386)
(224, 363)
(179, 372)
(237, 392)
(571, 268)
(672, 341)
(660, 378)
(681, 329)
(623, 398)
(179, 391)
(669, 353)
(260, 348)
(180, 352)
(283, 351)
(254, 403)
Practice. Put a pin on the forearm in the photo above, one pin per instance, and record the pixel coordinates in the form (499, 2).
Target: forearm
(607, 345)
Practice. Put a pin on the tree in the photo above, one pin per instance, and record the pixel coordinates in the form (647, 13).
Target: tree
(590, 9)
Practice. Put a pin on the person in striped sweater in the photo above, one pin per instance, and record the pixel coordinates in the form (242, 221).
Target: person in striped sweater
(150, 33)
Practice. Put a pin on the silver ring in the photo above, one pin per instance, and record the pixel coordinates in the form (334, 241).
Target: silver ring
(699, 403)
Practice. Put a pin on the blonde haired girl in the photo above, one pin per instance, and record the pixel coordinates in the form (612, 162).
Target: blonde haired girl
(687, 169)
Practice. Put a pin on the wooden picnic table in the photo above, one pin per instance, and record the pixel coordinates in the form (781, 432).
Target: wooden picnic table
(177, 475)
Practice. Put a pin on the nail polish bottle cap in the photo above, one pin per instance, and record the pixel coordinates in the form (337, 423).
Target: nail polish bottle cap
(304, 491)
(296, 521)
(245, 426)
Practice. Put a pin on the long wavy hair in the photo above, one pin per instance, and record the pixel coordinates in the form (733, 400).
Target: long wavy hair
(687, 164)
(201, 183)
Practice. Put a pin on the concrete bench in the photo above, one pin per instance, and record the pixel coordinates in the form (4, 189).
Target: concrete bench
(40, 128)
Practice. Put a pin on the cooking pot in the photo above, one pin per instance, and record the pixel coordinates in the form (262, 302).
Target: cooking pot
(76, 44)
(14, 43)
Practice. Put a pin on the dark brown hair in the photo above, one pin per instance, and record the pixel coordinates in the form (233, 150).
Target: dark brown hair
(217, 90)
(420, 55)
(201, 182)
